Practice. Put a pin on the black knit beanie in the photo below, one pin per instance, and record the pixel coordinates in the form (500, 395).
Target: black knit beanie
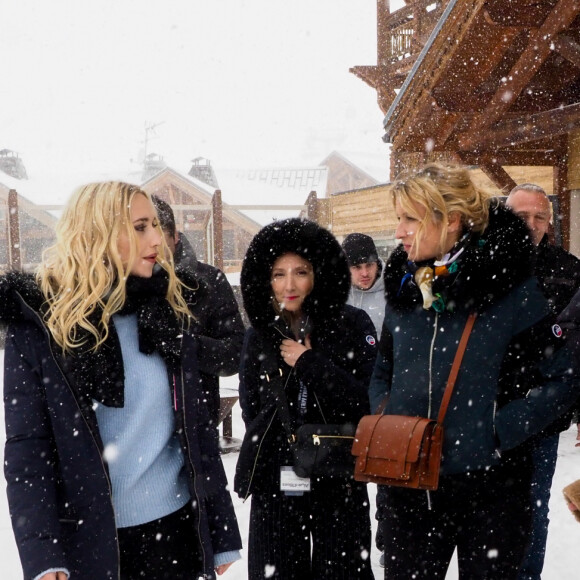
(359, 248)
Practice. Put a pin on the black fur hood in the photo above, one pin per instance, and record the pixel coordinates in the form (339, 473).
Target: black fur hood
(310, 241)
(492, 264)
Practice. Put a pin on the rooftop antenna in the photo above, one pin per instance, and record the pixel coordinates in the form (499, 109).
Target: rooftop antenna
(149, 131)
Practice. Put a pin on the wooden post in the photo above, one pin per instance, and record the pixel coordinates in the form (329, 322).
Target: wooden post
(218, 262)
(312, 207)
(218, 229)
(227, 426)
(14, 256)
(563, 193)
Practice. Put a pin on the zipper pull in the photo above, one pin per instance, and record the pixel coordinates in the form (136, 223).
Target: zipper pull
(174, 393)
(315, 439)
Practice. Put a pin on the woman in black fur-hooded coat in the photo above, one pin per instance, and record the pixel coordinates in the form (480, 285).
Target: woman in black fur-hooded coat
(463, 253)
(325, 352)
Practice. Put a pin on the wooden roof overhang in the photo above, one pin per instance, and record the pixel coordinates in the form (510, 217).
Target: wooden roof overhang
(497, 83)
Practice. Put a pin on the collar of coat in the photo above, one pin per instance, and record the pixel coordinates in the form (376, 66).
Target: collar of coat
(492, 264)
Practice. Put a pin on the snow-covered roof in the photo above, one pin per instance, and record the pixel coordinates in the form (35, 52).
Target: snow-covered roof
(56, 188)
(201, 185)
(271, 187)
(375, 165)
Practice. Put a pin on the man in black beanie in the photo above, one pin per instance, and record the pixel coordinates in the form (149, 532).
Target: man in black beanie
(367, 290)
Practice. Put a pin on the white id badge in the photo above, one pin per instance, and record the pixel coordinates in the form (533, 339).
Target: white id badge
(291, 484)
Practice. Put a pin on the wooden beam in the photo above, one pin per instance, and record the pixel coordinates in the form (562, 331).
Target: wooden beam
(498, 175)
(563, 193)
(523, 129)
(433, 66)
(218, 230)
(515, 158)
(508, 14)
(538, 49)
(450, 93)
(568, 48)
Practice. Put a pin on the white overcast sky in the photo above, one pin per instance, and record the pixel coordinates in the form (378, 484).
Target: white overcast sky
(244, 83)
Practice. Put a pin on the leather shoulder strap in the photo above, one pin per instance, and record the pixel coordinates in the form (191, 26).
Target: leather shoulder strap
(455, 367)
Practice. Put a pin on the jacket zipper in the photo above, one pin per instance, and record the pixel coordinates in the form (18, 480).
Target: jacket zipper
(45, 330)
(260, 445)
(257, 455)
(199, 535)
(497, 449)
(431, 349)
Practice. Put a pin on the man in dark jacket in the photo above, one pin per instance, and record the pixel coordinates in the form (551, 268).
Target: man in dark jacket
(219, 326)
(558, 272)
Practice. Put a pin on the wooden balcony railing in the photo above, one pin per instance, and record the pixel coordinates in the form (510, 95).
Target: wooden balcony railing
(403, 33)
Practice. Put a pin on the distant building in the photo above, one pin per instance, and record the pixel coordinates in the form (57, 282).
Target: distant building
(202, 170)
(344, 175)
(11, 164)
(152, 164)
(191, 201)
(24, 233)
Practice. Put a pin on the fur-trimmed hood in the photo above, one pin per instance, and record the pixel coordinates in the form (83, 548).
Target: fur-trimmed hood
(313, 243)
(12, 285)
(492, 264)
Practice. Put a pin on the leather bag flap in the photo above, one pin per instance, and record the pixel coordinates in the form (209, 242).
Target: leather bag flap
(395, 438)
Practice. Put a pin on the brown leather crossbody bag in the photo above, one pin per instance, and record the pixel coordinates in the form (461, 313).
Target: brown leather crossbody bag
(405, 451)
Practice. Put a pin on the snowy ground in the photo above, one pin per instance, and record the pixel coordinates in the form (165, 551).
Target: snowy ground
(563, 540)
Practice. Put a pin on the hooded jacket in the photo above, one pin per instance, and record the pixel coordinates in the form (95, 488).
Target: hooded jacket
(59, 490)
(372, 301)
(417, 347)
(329, 382)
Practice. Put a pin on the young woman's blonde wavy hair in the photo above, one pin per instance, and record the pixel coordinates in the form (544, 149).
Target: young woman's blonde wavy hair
(441, 190)
(83, 272)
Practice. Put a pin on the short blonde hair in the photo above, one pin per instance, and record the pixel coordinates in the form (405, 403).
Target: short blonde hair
(82, 272)
(441, 190)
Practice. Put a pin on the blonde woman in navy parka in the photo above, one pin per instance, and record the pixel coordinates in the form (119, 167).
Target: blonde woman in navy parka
(462, 252)
(111, 459)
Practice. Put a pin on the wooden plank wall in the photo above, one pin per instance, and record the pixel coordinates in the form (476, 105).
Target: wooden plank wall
(369, 210)
(574, 187)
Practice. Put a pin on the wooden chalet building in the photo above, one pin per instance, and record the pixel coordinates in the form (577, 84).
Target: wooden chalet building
(344, 175)
(493, 84)
(199, 212)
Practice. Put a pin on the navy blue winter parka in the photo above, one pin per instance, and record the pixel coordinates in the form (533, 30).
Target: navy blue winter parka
(58, 488)
(417, 347)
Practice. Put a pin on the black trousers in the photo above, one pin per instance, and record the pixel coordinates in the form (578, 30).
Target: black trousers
(325, 533)
(485, 514)
(162, 549)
